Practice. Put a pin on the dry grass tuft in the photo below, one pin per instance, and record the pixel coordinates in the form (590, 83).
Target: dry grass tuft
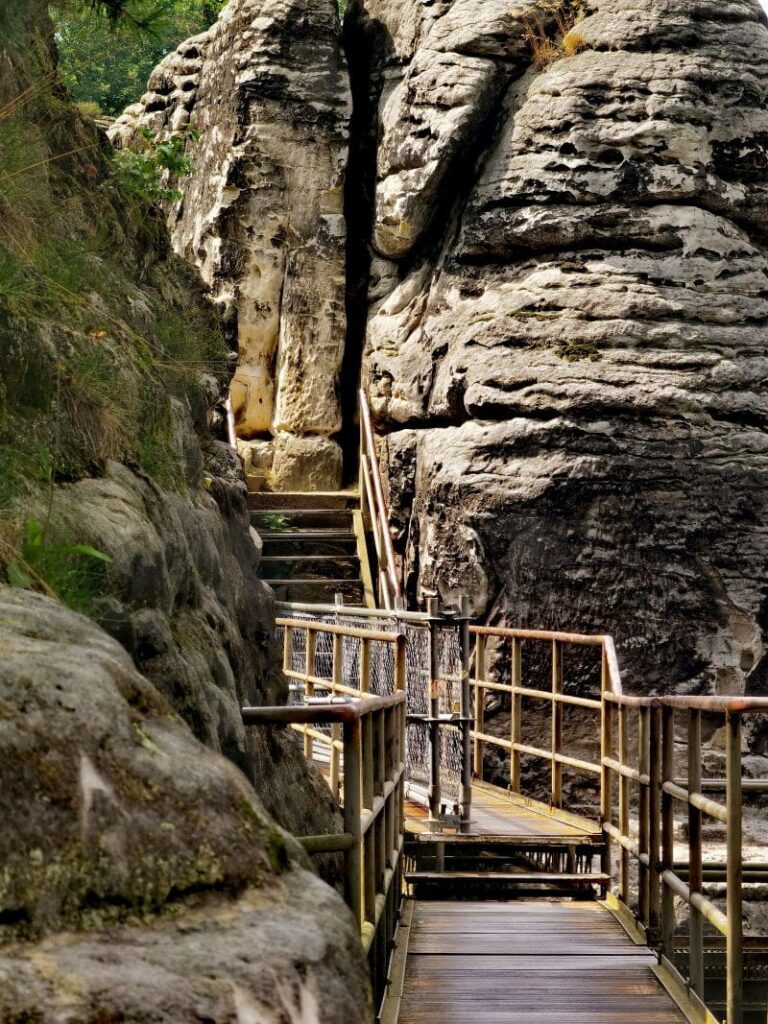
(554, 37)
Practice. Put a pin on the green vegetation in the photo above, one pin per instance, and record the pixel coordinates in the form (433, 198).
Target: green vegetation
(72, 572)
(109, 47)
(148, 173)
(103, 337)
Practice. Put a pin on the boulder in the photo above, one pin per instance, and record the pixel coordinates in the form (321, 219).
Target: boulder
(140, 876)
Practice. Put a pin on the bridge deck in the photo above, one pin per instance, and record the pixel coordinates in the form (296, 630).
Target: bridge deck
(498, 814)
(527, 962)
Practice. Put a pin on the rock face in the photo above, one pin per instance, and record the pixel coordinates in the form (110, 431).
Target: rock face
(566, 342)
(108, 417)
(181, 900)
(266, 94)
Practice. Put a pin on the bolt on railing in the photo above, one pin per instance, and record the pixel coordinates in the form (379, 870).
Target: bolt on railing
(372, 786)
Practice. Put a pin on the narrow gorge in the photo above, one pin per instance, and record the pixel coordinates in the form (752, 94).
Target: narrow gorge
(536, 234)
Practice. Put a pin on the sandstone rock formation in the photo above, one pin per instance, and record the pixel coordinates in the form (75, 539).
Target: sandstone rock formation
(139, 870)
(566, 343)
(266, 95)
(110, 376)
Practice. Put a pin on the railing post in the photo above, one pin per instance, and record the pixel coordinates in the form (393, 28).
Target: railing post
(606, 778)
(401, 662)
(480, 670)
(695, 873)
(623, 806)
(466, 718)
(369, 839)
(287, 648)
(435, 795)
(556, 793)
(365, 666)
(735, 937)
(644, 829)
(353, 804)
(667, 831)
(309, 686)
(337, 673)
(654, 817)
(515, 716)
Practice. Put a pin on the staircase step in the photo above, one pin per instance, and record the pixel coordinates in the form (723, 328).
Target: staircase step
(302, 581)
(328, 568)
(306, 536)
(318, 591)
(302, 519)
(265, 501)
(519, 877)
(309, 558)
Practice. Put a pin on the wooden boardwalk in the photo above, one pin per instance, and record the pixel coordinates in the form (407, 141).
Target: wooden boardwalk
(527, 962)
(500, 815)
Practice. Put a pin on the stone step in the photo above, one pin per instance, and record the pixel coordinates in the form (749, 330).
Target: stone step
(302, 536)
(318, 591)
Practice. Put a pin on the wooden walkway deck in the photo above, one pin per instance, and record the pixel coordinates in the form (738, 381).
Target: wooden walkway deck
(527, 962)
(496, 814)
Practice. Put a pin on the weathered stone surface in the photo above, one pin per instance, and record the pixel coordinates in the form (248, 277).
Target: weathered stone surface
(566, 348)
(286, 953)
(117, 821)
(185, 601)
(267, 91)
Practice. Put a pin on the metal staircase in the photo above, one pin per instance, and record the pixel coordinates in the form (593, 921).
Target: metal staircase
(314, 546)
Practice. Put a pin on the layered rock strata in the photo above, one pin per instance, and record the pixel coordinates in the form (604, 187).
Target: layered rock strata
(264, 99)
(566, 343)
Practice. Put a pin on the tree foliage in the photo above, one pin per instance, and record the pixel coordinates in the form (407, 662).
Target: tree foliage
(109, 47)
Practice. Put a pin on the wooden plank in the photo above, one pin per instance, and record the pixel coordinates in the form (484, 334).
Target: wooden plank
(535, 962)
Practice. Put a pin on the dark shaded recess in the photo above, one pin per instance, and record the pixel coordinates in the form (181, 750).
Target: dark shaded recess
(365, 41)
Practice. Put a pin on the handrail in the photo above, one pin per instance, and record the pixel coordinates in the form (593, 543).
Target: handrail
(373, 805)
(372, 497)
(637, 824)
(610, 677)
(652, 842)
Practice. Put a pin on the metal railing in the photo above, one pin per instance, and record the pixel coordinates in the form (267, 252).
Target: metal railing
(373, 770)
(645, 832)
(339, 649)
(604, 675)
(375, 513)
(334, 681)
(626, 747)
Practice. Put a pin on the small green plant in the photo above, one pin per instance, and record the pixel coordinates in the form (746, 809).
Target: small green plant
(72, 572)
(90, 109)
(148, 173)
(273, 522)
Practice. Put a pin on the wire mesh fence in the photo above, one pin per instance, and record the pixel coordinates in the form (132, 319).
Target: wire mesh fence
(368, 666)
